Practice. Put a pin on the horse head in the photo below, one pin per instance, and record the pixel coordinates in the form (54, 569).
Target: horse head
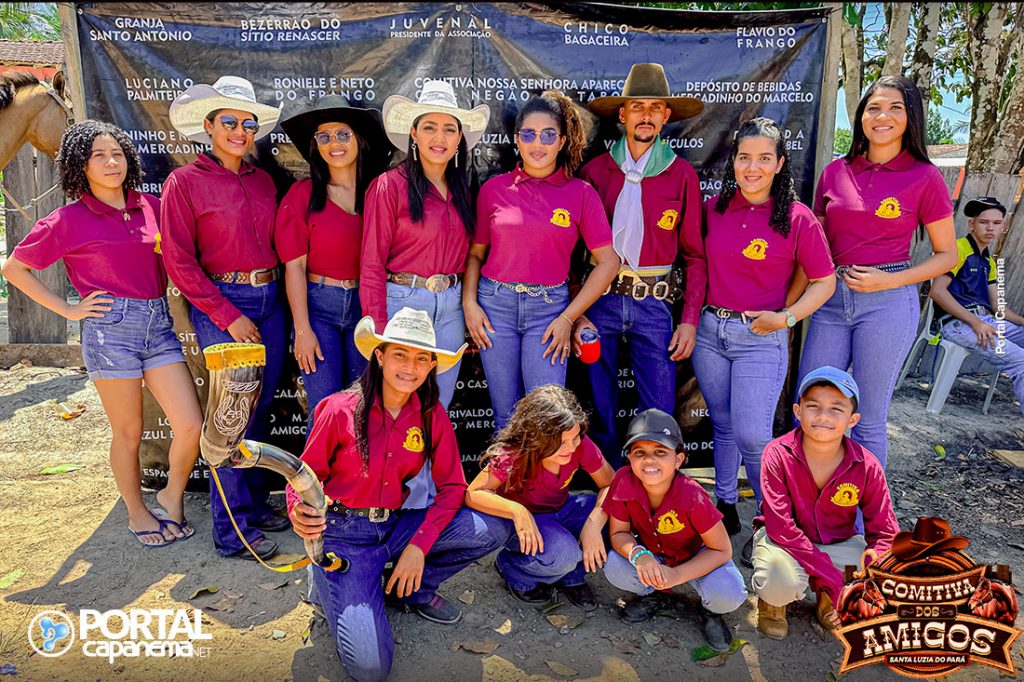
(31, 111)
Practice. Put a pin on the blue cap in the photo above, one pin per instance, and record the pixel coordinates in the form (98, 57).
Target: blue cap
(830, 375)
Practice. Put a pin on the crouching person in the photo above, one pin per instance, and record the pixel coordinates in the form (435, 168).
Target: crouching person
(366, 444)
(814, 480)
(680, 532)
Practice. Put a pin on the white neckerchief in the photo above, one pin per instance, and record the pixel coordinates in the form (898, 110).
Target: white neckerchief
(628, 218)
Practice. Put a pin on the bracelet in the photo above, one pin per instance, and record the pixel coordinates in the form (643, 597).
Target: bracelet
(643, 552)
(636, 548)
(571, 323)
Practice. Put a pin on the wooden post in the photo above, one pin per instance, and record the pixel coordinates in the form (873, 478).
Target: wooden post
(28, 176)
(72, 58)
(829, 90)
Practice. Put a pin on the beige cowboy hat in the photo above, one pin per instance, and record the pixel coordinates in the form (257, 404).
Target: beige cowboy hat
(407, 327)
(647, 81)
(437, 97)
(190, 108)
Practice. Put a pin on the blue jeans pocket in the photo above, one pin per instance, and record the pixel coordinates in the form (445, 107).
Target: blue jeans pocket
(487, 288)
(112, 318)
(399, 292)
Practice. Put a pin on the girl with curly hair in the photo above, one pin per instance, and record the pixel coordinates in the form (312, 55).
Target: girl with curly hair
(108, 240)
(757, 235)
(515, 293)
(526, 478)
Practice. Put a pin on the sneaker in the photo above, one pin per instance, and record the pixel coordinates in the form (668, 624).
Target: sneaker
(824, 608)
(716, 632)
(771, 620)
(264, 548)
(747, 553)
(273, 524)
(579, 595)
(730, 517)
(439, 610)
(541, 594)
(643, 607)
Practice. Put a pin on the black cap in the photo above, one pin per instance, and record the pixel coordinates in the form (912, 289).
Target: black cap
(974, 207)
(656, 426)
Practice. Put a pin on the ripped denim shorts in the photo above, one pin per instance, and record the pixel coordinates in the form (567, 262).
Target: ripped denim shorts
(134, 336)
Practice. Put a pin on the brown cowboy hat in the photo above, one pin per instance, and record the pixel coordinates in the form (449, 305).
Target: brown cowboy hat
(647, 81)
(931, 535)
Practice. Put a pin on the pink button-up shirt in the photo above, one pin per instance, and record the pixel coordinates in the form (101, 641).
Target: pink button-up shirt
(545, 491)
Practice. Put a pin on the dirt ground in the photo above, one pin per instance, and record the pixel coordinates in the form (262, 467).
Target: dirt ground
(68, 536)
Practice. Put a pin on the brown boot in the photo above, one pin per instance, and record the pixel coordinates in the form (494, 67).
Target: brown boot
(824, 608)
(771, 620)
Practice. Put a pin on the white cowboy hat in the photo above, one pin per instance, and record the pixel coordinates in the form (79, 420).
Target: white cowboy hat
(407, 327)
(190, 108)
(437, 97)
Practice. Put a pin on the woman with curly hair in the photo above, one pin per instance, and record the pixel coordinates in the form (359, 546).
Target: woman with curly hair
(515, 293)
(526, 478)
(108, 240)
(755, 240)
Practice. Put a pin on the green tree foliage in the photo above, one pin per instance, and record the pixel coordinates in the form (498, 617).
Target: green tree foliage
(841, 142)
(938, 130)
(29, 21)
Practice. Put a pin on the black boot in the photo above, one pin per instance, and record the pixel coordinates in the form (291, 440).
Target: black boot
(747, 553)
(643, 607)
(716, 632)
(730, 518)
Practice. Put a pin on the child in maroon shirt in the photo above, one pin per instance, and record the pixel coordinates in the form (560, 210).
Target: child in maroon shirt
(814, 480)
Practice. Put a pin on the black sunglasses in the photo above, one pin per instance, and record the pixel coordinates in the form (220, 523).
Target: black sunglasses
(249, 126)
(342, 136)
(548, 136)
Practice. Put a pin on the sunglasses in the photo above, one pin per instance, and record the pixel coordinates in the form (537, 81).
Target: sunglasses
(249, 126)
(548, 136)
(342, 136)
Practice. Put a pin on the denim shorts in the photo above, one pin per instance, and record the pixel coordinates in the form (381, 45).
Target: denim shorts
(134, 336)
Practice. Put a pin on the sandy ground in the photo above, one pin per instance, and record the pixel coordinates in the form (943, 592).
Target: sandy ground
(68, 535)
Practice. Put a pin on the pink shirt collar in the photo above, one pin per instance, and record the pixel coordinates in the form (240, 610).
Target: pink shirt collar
(557, 178)
(900, 162)
(132, 200)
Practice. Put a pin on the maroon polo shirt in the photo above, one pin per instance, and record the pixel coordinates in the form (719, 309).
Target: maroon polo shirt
(547, 492)
(330, 239)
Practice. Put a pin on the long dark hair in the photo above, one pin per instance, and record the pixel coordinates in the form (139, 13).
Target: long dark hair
(320, 174)
(559, 107)
(914, 138)
(456, 173)
(76, 149)
(370, 387)
(783, 194)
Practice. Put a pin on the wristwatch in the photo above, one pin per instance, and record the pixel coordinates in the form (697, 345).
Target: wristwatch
(790, 319)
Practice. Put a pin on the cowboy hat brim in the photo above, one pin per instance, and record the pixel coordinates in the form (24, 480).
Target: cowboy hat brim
(905, 548)
(367, 339)
(190, 108)
(365, 122)
(682, 107)
(400, 112)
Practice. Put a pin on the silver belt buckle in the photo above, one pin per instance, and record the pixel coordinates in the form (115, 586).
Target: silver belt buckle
(252, 278)
(379, 514)
(521, 289)
(722, 313)
(437, 283)
(660, 290)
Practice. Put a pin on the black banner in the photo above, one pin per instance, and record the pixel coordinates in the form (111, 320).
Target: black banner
(137, 57)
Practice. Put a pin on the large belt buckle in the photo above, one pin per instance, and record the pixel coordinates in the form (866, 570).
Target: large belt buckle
(521, 288)
(437, 283)
(627, 272)
(252, 278)
(660, 290)
(379, 514)
(722, 313)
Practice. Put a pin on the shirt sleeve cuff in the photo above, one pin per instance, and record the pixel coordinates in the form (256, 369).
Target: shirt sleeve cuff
(424, 539)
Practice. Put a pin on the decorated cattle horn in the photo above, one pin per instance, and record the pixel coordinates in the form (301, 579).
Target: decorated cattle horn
(236, 375)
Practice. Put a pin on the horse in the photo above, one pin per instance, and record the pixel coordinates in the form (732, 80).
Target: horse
(31, 111)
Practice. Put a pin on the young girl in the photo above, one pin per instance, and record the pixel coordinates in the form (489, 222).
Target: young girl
(870, 203)
(107, 240)
(217, 228)
(367, 443)
(528, 222)
(526, 479)
(665, 532)
(756, 238)
(318, 236)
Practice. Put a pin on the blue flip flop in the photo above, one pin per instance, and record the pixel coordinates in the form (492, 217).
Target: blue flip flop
(185, 528)
(140, 533)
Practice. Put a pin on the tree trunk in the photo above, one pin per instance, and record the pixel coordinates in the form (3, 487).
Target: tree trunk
(1005, 149)
(988, 53)
(896, 45)
(853, 66)
(927, 16)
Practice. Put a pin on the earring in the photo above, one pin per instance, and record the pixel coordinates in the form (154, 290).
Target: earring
(456, 159)
(415, 155)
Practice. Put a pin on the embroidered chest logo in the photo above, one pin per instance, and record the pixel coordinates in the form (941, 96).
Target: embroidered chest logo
(156, 243)
(668, 219)
(889, 208)
(756, 249)
(669, 523)
(413, 440)
(568, 480)
(560, 217)
(846, 495)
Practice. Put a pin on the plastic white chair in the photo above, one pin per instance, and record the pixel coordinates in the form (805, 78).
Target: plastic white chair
(947, 366)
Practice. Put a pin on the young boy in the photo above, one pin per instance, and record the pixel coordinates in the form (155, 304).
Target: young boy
(681, 535)
(814, 479)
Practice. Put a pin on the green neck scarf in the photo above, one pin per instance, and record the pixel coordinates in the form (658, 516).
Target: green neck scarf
(661, 156)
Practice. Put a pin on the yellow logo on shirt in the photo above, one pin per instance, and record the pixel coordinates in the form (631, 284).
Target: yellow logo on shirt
(756, 249)
(156, 243)
(560, 217)
(568, 480)
(889, 208)
(669, 523)
(846, 495)
(413, 440)
(668, 219)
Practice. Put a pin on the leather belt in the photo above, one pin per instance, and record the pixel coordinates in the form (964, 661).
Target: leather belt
(332, 282)
(884, 267)
(374, 514)
(639, 287)
(726, 313)
(434, 284)
(257, 278)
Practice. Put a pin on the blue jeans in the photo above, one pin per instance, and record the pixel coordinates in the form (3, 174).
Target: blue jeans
(513, 365)
(246, 490)
(740, 375)
(354, 601)
(873, 333)
(561, 561)
(721, 591)
(1009, 357)
(134, 336)
(333, 314)
(647, 327)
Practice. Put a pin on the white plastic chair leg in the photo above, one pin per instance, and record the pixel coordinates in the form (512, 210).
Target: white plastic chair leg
(952, 357)
(917, 348)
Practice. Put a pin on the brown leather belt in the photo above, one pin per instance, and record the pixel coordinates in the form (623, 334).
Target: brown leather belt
(331, 282)
(639, 287)
(374, 514)
(256, 278)
(435, 283)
